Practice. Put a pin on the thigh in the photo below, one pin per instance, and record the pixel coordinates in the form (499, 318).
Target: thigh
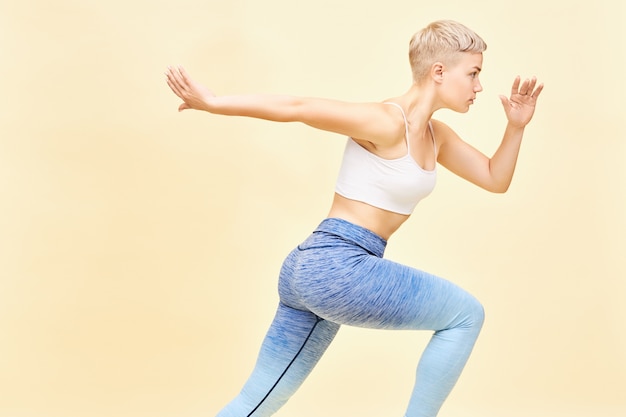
(379, 293)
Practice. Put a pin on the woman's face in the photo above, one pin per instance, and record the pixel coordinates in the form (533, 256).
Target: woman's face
(460, 82)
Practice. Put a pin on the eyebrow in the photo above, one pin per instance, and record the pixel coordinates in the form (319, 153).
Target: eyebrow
(478, 68)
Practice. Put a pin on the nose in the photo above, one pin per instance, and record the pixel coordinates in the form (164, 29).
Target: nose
(478, 87)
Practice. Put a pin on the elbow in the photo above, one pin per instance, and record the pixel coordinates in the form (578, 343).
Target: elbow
(498, 184)
(500, 189)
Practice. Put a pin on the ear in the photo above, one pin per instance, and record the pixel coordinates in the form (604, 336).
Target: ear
(436, 72)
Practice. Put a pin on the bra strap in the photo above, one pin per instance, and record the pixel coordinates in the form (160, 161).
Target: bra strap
(432, 135)
(406, 123)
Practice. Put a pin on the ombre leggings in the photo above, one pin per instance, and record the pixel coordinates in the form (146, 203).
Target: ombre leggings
(338, 276)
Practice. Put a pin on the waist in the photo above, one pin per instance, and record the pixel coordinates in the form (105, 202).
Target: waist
(380, 222)
(354, 233)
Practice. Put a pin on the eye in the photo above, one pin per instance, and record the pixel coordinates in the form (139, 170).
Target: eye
(474, 74)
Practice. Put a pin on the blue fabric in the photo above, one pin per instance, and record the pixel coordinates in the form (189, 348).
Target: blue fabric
(338, 276)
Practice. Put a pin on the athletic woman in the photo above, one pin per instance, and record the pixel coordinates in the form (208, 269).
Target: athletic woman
(338, 276)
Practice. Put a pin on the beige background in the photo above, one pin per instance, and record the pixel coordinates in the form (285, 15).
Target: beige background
(139, 247)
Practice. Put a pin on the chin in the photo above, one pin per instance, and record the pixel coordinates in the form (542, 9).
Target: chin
(460, 107)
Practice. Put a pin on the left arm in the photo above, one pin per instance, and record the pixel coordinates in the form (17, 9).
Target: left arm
(493, 174)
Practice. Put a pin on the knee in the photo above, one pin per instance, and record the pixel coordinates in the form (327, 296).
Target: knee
(470, 314)
(475, 316)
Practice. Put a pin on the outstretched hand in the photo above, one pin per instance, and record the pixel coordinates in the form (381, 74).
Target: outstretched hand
(520, 107)
(195, 96)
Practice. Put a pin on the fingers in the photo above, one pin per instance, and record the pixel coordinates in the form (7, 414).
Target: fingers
(178, 77)
(178, 82)
(537, 91)
(515, 87)
(183, 74)
(173, 82)
(528, 87)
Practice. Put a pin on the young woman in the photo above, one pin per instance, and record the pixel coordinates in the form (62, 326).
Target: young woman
(338, 275)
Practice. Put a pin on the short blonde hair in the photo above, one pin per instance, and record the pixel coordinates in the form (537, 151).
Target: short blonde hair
(441, 41)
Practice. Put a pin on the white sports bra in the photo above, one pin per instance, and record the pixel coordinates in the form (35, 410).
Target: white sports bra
(395, 185)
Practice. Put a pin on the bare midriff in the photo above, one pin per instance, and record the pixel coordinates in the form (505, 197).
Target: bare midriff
(382, 222)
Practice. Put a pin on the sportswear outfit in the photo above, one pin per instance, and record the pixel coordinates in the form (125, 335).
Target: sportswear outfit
(338, 276)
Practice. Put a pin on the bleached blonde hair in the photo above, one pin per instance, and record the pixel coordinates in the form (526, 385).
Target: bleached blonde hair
(441, 41)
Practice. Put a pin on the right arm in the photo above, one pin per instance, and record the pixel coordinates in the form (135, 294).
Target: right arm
(374, 122)
(493, 174)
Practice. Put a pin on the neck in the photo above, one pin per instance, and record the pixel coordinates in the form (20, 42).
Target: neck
(420, 103)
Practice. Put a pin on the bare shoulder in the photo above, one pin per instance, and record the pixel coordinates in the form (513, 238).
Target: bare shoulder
(387, 126)
(443, 133)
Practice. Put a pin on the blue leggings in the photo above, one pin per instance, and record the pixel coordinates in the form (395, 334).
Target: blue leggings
(338, 276)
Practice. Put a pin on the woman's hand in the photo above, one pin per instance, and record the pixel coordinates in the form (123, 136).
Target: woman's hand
(195, 96)
(520, 107)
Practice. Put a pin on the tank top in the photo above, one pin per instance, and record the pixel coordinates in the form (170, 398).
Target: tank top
(395, 185)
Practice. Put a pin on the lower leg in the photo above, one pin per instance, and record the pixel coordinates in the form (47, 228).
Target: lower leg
(445, 357)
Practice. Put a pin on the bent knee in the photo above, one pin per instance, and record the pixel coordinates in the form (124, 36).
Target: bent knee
(472, 315)
(479, 314)
(476, 314)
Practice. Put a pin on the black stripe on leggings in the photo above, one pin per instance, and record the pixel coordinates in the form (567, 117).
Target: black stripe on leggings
(318, 319)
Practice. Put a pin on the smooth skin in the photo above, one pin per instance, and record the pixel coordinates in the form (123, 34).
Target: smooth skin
(380, 128)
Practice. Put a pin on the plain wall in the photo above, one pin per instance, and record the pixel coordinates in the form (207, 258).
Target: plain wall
(139, 247)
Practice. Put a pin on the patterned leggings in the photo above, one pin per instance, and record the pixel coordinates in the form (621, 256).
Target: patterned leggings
(338, 276)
